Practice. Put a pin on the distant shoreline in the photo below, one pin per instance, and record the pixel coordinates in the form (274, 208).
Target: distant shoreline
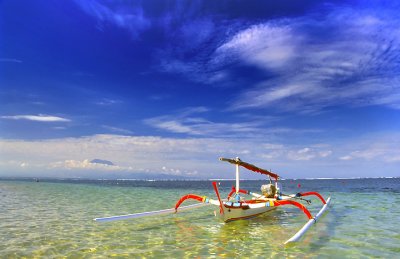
(49, 179)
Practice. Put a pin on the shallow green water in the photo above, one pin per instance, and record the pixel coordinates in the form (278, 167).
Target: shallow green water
(54, 219)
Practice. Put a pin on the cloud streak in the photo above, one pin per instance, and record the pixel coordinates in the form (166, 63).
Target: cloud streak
(117, 130)
(189, 122)
(120, 15)
(38, 118)
(11, 60)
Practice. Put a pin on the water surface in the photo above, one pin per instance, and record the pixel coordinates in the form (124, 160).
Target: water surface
(55, 218)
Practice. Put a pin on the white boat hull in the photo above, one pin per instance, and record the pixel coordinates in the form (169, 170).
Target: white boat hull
(232, 213)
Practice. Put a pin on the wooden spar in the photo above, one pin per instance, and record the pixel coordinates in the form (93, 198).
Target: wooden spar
(148, 213)
(250, 167)
(309, 223)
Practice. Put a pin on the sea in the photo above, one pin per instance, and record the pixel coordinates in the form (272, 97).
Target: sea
(53, 218)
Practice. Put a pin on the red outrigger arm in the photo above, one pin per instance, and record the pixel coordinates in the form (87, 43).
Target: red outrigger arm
(189, 196)
(221, 207)
(202, 199)
(240, 191)
(313, 193)
(299, 205)
(295, 203)
(250, 167)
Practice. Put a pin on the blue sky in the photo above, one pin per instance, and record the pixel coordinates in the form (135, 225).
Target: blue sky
(305, 88)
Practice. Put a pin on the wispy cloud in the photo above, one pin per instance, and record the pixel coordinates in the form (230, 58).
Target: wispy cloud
(108, 102)
(194, 121)
(118, 14)
(345, 56)
(39, 118)
(117, 130)
(268, 46)
(188, 122)
(355, 65)
(197, 70)
(381, 148)
(12, 60)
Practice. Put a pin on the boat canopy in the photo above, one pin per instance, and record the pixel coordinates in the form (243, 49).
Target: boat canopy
(250, 167)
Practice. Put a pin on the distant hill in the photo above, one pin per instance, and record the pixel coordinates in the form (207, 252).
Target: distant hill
(101, 161)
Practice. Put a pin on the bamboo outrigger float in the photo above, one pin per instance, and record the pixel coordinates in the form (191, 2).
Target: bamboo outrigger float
(235, 207)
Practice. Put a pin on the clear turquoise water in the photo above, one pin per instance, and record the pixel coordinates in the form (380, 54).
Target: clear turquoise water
(54, 219)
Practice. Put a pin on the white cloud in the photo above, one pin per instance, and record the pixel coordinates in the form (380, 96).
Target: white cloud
(199, 156)
(172, 126)
(268, 46)
(392, 159)
(86, 165)
(131, 154)
(302, 154)
(178, 172)
(325, 153)
(356, 65)
(375, 148)
(40, 118)
(369, 154)
(23, 164)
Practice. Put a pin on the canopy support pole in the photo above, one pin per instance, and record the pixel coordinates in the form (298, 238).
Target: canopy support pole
(237, 176)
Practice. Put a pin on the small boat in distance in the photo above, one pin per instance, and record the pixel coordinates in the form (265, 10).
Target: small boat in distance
(237, 207)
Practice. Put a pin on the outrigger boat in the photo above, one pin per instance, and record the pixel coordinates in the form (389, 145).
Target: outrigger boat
(236, 207)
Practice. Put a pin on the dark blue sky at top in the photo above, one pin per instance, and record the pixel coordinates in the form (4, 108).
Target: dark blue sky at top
(133, 67)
